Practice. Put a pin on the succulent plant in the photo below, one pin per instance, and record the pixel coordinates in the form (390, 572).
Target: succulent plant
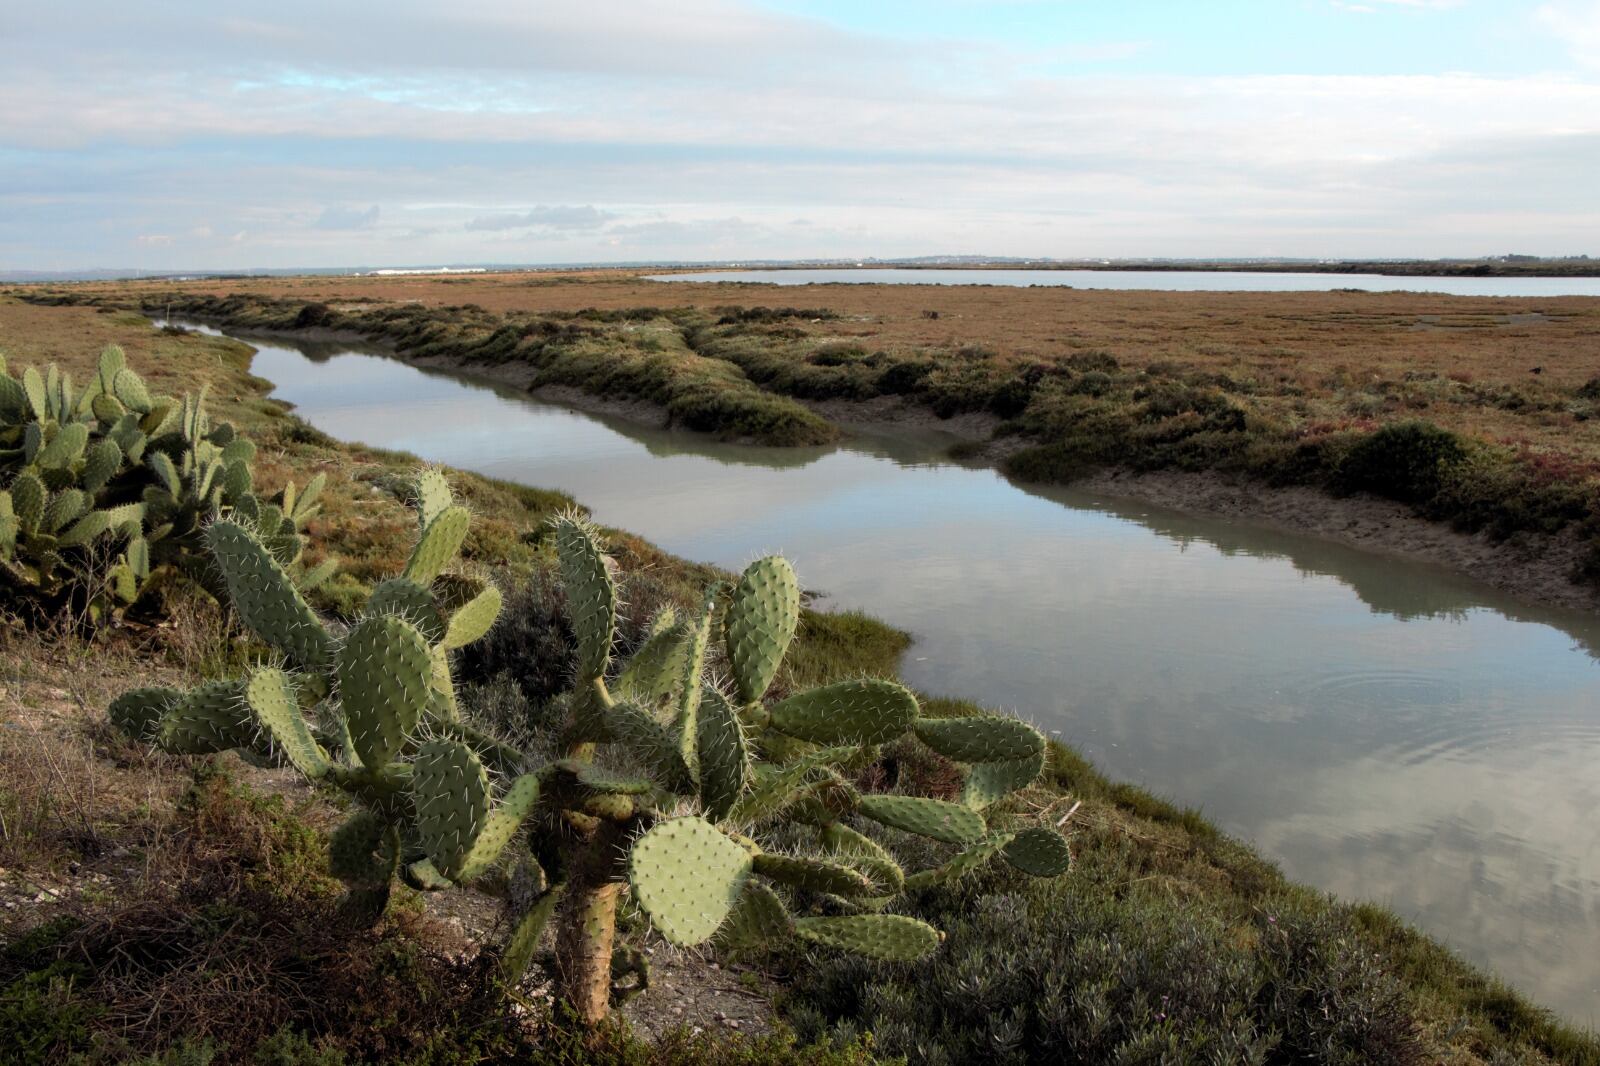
(666, 784)
(108, 486)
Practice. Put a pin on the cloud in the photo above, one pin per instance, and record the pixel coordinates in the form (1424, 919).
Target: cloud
(704, 128)
(560, 218)
(337, 217)
(1577, 24)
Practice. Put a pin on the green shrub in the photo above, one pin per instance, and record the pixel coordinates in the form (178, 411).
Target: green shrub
(1405, 461)
(1059, 974)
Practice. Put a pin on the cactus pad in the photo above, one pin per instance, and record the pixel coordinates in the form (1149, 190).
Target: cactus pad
(990, 781)
(519, 947)
(774, 789)
(656, 668)
(264, 597)
(439, 544)
(724, 755)
(500, 826)
(406, 599)
(28, 497)
(969, 861)
(760, 623)
(210, 718)
(686, 877)
(100, 464)
(652, 743)
(423, 876)
(90, 526)
(129, 388)
(813, 875)
(687, 720)
(980, 738)
(759, 920)
(64, 447)
(385, 682)
(451, 793)
(860, 712)
(866, 855)
(595, 780)
(433, 496)
(1040, 852)
(936, 819)
(889, 937)
(271, 695)
(138, 712)
(473, 619)
(591, 595)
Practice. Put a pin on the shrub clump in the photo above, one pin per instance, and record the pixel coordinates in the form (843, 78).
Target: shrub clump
(1405, 461)
(1044, 975)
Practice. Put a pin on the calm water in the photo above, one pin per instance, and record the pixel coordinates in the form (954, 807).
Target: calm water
(1383, 730)
(1167, 280)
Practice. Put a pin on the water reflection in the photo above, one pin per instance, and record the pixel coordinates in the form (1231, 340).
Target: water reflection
(1382, 729)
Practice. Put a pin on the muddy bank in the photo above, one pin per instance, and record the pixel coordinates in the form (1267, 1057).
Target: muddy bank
(1528, 566)
(891, 411)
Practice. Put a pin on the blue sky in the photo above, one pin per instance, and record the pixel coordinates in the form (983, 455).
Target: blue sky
(233, 135)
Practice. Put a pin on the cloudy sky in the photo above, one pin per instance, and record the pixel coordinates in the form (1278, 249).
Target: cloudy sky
(316, 133)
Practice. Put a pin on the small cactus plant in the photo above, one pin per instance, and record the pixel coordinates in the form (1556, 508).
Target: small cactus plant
(104, 487)
(665, 785)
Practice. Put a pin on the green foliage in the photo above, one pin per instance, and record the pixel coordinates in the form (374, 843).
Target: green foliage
(376, 717)
(41, 1017)
(1045, 975)
(107, 489)
(1406, 461)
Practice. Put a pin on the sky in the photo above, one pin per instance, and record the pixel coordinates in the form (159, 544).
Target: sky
(312, 133)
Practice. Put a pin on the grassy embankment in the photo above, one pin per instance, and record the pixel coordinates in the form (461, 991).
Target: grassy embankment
(158, 901)
(1483, 417)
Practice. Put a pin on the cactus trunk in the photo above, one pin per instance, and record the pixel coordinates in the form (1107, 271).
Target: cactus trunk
(587, 930)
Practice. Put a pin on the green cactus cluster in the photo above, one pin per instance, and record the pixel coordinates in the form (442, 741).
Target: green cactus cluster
(667, 784)
(104, 486)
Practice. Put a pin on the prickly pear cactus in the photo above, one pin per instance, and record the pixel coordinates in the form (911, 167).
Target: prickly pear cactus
(727, 767)
(368, 709)
(669, 783)
(107, 487)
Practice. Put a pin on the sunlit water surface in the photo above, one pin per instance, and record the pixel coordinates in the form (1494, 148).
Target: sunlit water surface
(1164, 280)
(1383, 730)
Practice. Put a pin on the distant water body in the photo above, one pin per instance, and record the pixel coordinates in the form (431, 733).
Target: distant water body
(1165, 280)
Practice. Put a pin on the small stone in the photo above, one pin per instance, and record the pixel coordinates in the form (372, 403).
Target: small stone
(732, 1023)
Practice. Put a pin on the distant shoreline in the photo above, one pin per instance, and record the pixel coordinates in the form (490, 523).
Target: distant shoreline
(1431, 268)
